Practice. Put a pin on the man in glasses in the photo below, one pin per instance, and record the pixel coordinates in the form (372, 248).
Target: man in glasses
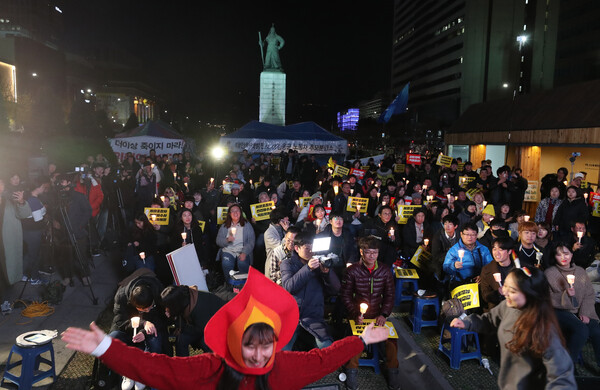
(466, 258)
(370, 282)
(308, 280)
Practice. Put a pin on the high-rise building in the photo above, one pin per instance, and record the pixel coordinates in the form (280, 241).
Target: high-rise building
(39, 20)
(348, 120)
(459, 52)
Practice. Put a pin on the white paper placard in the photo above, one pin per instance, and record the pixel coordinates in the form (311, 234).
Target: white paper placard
(186, 268)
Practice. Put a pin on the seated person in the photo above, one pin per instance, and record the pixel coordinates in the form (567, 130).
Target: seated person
(415, 230)
(497, 229)
(491, 290)
(190, 310)
(236, 239)
(370, 282)
(282, 252)
(441, 242)
(466, 268)
(139, 297)
(585, 249)
(385, 228)
(309, 281)
(529, 255)
(342, 242)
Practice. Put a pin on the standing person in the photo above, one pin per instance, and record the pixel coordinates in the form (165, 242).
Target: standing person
(573, 302)
(573, 208)
(370, 282)
(532, 352)
(74, 210)
(145, 187)
(246, 348)
(33, 229)
(236, 239)
(309, 281)
(15, 209)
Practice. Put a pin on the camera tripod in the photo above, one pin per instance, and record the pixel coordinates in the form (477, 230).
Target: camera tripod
(71, 234)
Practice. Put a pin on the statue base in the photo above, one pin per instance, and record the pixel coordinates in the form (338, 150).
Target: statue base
(272, 97)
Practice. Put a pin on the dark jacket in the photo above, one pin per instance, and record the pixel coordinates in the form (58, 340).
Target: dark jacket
(309, 288)
(569, 211)
(489, 287)
(409, 235)
(374, 288)
(440, 244)
(388, 249)
(123, 311)
(79, 212)
(349, 252)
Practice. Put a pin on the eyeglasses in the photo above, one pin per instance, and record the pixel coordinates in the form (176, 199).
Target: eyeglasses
(337, 219)
(147, 309)
(469, 234)
(370, 252)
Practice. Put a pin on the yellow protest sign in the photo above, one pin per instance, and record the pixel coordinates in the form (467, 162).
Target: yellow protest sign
(399, 168)
(331, 162)
(358, 329)
(353, 201)
(202, 224)
(463, 181)
(290, 184)
(585, 184)
(261, 211)
(468, 294)
(157, 216)
(341, 171)
(444, 161)
(420, 255)
(227, 187)
(596, 209)
(304, 201)
(406, 273)
(365, 168)
(471, 193)
(405, 212)
(461, 167)
(221, 215)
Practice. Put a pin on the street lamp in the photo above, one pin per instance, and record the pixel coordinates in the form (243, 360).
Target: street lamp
(522, 39)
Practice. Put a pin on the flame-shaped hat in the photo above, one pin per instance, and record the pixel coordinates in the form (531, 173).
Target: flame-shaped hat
(260, 300)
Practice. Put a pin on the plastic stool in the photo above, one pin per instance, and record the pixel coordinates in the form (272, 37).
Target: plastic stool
(31, 358)
(236, 284)
(416, 317)
(374, 361)
(405, 288)
(459, 338)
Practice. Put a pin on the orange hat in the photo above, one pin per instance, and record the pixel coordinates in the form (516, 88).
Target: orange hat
(260, 300)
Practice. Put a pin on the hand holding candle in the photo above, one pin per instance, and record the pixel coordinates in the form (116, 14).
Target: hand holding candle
(183, 236)
(363, 310)
(461, 254)
(233, 230)
(135, 324)
(426, 241)
(143, 256)
(391, 233)
(579, 236)
(526, 218)
(498, 278)
(571, 280)
(153, 217)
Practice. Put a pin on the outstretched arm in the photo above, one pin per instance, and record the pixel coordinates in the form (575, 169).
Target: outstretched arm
(82, 340)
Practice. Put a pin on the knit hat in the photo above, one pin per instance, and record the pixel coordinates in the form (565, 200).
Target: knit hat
(260, 300)
(489, 209)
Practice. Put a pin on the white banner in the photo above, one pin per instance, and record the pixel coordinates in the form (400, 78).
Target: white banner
(260, 145)
(141, 146)
(377, 159)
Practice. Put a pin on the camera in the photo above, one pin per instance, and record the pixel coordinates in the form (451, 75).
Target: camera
(321, 245)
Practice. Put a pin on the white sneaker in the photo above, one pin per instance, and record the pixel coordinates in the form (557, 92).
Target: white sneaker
(139, 386)
(127, 384)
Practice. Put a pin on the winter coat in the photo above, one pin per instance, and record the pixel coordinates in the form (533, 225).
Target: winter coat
(373, 288)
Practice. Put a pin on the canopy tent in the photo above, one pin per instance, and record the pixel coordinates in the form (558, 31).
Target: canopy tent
(155, 135)
(305, 137)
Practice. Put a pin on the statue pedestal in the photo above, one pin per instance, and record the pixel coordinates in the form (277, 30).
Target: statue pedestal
(272, 98)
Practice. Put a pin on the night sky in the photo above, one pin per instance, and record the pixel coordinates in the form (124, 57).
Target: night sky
(203, 56)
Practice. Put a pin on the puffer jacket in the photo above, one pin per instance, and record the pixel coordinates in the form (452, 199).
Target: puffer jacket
(373, 288)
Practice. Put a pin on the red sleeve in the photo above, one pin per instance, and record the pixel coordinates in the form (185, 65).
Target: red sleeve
(96, 198)
(295, 370)
(161, 371)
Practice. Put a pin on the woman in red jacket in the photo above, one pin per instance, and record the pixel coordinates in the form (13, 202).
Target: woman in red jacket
(246, 335)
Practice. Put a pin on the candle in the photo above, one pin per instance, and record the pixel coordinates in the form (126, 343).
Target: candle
(565, 182)
(186, 185)
(498, 278)
(212, 179)
(142, 255)
(135, 323)
(335, 189)
(162, 199)
(297, 202)
(175, 175)
(233, 230)
(585, 195)
(153, 217)
(449, 197)
(152, 166)
(391, 233)
(484, 203)
(378, 195)
(183, 236)
(358, 208)
(461, 254)
(328, 204)
(571, 280)
(273, 207)
(383, 203)
(320, 182)
(351, 191)
(456, 198)
(424, 186)
(408, 181)
(363, 308)
(580, 236)
(426, 241)
(526, 218)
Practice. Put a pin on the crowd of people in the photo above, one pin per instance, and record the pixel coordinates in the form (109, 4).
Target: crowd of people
(471, 221)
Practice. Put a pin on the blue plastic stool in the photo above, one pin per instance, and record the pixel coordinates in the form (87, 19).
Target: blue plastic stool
(236, 284)
(374, 361)
(31, 358)
(458, 339)
(416, 317)
(405, 288)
